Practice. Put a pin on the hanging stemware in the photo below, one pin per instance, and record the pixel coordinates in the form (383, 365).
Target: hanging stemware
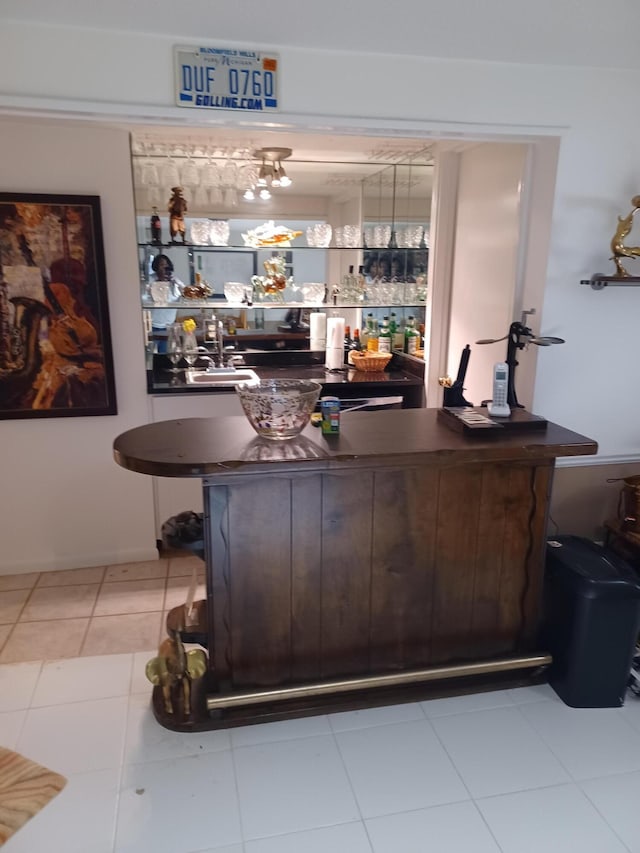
(190, 174)
(230, 175)
(170, 176)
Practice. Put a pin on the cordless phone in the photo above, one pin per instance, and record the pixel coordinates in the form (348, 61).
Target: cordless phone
(499, 407)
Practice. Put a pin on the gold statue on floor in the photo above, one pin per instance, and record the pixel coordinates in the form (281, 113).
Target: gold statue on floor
(173, 669)
(625, 224)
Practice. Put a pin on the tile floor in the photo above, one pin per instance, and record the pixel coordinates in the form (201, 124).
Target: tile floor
(95, 611)
(513, 770)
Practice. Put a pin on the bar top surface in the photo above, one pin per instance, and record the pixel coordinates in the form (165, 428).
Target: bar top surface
(201, 447)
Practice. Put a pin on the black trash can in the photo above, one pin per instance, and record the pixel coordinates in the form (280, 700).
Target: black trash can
(591, 622)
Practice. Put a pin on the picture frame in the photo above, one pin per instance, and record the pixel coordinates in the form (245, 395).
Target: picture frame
(55, 339)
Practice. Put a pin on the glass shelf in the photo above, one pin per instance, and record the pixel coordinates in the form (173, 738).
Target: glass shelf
(196, 247)
(221, 304)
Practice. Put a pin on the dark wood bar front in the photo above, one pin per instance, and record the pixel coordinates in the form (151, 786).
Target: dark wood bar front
(397, 546)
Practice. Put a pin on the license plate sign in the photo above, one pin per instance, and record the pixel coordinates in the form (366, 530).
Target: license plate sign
(217, 78)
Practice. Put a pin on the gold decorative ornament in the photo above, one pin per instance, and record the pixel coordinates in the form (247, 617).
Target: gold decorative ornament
(173, 668)
(618, 247)
(275, 280)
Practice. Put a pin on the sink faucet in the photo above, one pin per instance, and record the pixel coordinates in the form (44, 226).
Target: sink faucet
(220, 342)
(215, 332)
(233, 360)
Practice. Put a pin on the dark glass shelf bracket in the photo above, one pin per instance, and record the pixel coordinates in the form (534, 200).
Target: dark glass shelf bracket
(599, 281)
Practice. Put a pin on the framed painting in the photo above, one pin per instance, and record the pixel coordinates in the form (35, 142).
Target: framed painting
(55, 340)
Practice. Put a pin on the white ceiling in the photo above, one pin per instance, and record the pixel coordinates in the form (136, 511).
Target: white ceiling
(599, 33)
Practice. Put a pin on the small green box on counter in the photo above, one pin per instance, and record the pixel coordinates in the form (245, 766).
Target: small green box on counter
(330, 408)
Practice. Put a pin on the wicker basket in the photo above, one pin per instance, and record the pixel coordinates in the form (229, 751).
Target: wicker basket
(370, 361)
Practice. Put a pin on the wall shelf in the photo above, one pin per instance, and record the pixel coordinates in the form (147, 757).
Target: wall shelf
(599, 281)
(184, 304)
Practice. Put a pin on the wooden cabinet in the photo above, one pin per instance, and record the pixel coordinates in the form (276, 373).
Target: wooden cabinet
(395, 547)
(374, 568)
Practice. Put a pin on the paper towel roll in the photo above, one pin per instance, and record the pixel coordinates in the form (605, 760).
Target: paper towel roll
(317, 344)
(318, 327)
(335, 333)
(334, 358)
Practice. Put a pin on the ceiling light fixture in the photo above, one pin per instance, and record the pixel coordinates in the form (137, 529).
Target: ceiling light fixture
(258, 179)
(271, 172)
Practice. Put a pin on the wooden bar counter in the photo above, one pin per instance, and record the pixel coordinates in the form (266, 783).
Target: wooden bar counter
(399, 547)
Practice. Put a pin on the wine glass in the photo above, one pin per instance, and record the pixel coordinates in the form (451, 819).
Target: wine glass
(174, 346)
(170, 176)
(190, 174)
(190, 348)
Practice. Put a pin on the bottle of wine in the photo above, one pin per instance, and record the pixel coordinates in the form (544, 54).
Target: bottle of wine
(356, 343)
(393, 329)
(398, 338)
(156, 228)
(411, 336)
(384, 338)
(347, 343)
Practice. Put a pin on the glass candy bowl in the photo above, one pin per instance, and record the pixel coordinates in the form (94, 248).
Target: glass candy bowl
(279, 409)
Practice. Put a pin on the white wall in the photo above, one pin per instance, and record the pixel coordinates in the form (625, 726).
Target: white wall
(487, 235)
(64, 500)
(64, 503)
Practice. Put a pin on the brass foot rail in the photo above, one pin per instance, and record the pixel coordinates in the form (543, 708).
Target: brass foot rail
(320, 688)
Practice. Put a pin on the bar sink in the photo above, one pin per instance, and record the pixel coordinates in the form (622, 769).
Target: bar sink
(221, 377)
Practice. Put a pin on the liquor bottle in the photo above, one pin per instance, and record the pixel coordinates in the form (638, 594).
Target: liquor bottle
(364, 335)
(384, 338)
(393, 328)
(366, 331)
(362, 284)
(347, 343)
(348, 288)
(156, 228)
(397, 340)
(356, 344)
(373, 334)
(411, 336)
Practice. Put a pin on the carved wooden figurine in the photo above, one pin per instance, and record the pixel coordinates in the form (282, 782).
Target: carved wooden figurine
(174, 667)
(177, 209)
